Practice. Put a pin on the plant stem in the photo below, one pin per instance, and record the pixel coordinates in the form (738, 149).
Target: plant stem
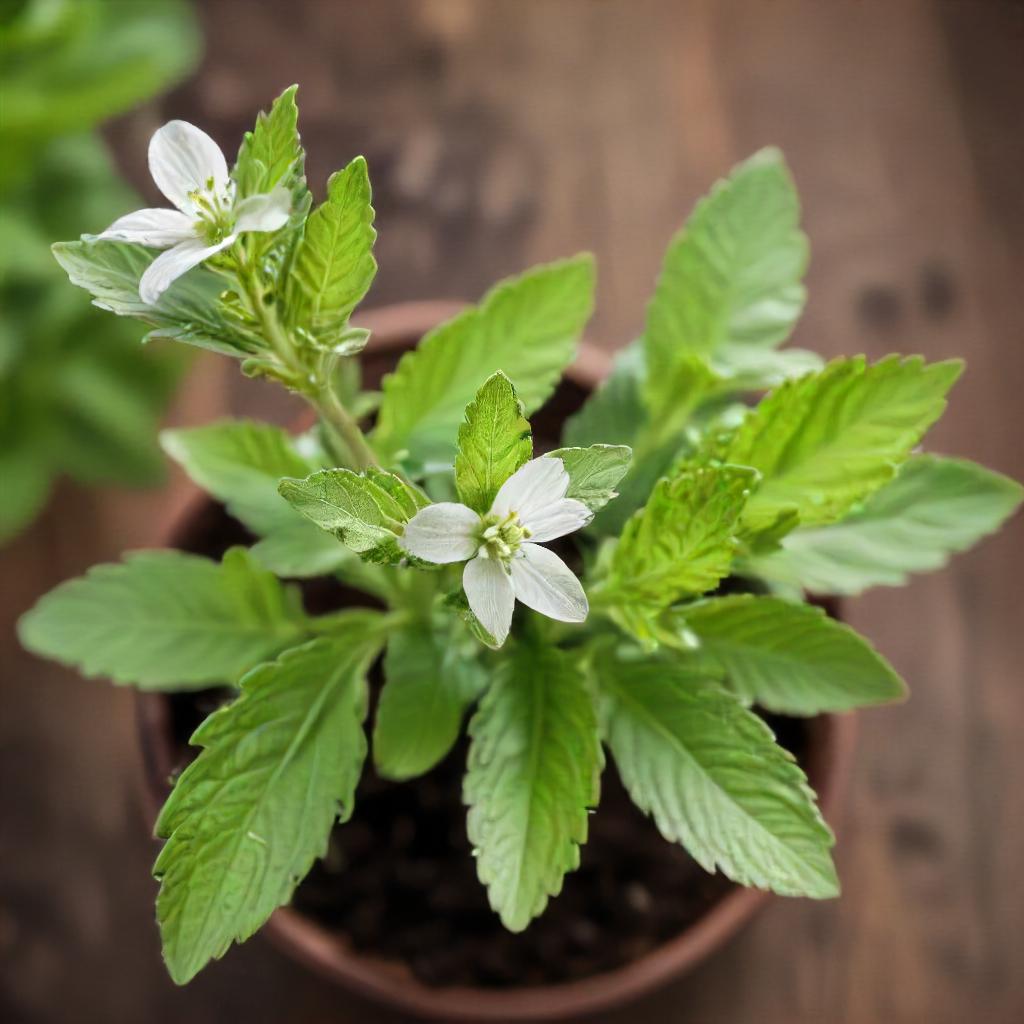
(344, 424)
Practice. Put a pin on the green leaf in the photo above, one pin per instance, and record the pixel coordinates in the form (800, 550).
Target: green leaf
(271, 153)
(525, 326)
(756, 369)
(680, 544)
(247, 818)
(240, 462)
(534, 770)
(27, 481)
(53, 81)
(366, 513)
(594, 472)
(824, 442)
(615, 412)
(494, 441)
(164, 620)
(790, 658)
(934, 508)
(731, 276)
(334, 265)
(429, 681)
(709, 773)
(187, 312)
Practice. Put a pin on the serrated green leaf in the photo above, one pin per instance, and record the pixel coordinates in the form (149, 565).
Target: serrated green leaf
(494, 441)
(790, 658)
(247, 818)
(186, 312)
(934, 508)
(594, 472)
(334, 265)
(366, 513)
(731, 276)
(680, 544)
(164, 620)
(826, 441)
(429, 681)
(526, 327)
(534, 770)
(709, 773)
(271, 153)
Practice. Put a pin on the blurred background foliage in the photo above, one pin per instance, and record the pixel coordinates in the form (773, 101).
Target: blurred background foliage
(78, 393)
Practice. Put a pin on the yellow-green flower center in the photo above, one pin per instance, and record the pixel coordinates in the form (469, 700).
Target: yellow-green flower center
(501, 537)
(215, 219)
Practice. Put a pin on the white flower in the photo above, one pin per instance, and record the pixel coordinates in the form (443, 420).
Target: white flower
(505, 559)
(189, 168)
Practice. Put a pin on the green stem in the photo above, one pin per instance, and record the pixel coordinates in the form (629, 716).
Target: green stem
(352, 446)
(343, 423)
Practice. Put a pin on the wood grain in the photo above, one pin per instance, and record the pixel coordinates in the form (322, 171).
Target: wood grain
(503, 133)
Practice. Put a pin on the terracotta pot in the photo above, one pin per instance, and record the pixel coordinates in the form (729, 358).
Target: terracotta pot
(830, 748)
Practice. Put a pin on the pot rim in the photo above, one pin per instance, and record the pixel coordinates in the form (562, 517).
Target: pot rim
(390, 983)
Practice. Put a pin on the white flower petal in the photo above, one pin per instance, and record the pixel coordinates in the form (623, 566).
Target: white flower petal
(557, 519)
(157, 228)
(490, 595)
(445, 532)
(543, 582)
(183, 158)
(170, 265)
(532, 488)
(265, 212)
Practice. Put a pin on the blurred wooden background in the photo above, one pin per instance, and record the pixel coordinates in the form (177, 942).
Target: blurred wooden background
(503, 133)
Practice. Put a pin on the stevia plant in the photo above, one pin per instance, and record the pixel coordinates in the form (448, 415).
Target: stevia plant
(431, 499)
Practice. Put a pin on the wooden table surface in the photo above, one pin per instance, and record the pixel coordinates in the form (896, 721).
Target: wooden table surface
(503, 133)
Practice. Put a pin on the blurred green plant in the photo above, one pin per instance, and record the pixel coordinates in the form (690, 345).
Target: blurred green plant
(78, 394)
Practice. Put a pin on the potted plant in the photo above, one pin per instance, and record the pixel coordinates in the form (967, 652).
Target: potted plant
(628, 578)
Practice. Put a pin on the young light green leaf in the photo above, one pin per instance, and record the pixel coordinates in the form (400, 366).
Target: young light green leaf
(731, 276)
(271, 153)
(366, 512)
(934, 508)
(186, 312)
(594, 472)
(429, 681)
(709, 773)
(334, 265)
(534, 770)
(790, 658)
(680, 544)
(164, 620)
(247, 818)
(494, 441)
(826, 441)
(525, 326)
